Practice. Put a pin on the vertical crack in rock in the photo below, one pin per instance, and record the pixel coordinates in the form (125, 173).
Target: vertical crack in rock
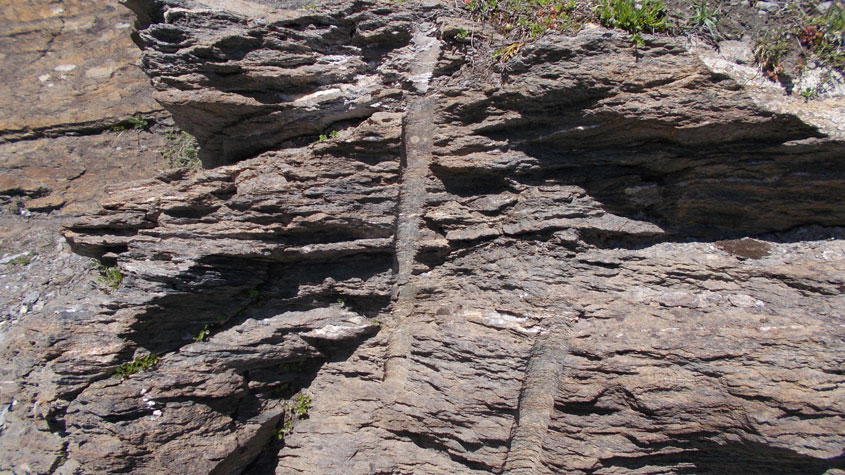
(537, 399)
(417, 134)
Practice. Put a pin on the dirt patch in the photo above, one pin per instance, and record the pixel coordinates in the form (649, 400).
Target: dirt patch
(745, 248)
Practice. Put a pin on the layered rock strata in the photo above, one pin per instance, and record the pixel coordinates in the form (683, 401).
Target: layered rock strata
(544, 267)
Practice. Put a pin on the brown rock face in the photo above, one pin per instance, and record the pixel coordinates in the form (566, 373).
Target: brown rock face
(68, 77)
(525, 270)
(68, 64)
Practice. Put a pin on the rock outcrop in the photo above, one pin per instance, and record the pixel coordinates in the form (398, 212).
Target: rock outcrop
(68, 65)
(591, 259)
(68, 87)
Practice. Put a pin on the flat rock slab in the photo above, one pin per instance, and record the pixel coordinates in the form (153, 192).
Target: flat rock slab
(68, 62)
(71, 174)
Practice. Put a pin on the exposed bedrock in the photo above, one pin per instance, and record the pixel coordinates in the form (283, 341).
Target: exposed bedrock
(592, 259)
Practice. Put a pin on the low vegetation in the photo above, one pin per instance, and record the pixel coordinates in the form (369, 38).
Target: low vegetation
(808, 37)
(706, 20)
(203, 334)
(293, 410)
(22, 260)
(136, 122)
(788, 39)
(822, 33)
(110, 276)
(181, 150)
(331, 135)
(646, 16)
(769, 52)
(141, 363)
(524, 19)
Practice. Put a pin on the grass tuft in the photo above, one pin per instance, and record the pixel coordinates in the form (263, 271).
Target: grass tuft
(181, 150)
(524, 19)
(141, 363)
(647, 16)
(110, 276)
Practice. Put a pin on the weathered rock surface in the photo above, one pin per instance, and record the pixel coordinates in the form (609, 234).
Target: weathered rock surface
(68, 77)
(69, 174)
(68, 65)
(482, 272)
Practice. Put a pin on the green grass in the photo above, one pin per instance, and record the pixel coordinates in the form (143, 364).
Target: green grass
(524, 19)
(110, 276)
(181, 150)
(706, 21)
(141, 363)
(647, 16)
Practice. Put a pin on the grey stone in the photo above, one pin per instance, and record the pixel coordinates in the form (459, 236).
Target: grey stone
(767, 7)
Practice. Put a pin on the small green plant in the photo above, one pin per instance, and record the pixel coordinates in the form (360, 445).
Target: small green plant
(295, 367)
(638, 40)
(23, 260)
(110, 276)
(136, 122)
(646, 16)
(331, 135)
(253, 293)
(181, 150)
(462, 33)
(809, 94)
(297, 408)
(139, 123)
(706, 20)
(141, 363)
(203, 334)
(281, 432)
(769, 52)
(523, 19)
(301, 404)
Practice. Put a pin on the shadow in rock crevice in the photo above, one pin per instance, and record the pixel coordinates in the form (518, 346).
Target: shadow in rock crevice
(223, 292)
(707, 182)
(702, 456)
